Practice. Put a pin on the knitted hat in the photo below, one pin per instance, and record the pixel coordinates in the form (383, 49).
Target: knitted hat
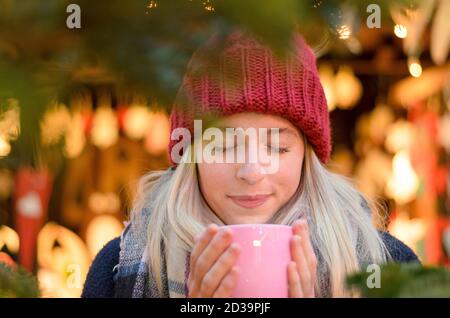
(239, 74)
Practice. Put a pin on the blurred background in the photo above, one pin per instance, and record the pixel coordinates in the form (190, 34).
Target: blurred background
(86, 90)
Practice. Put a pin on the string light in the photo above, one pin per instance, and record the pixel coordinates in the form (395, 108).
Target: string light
(403, 184)
(10, 122)
(400, 136)
(105, 128)
(415, 69)
(400, 31)
(75, 139)
(151, 5)
(62, 269)
(317, 4)
(157, 138)
(344, 31)
(326, 74)
(100, 231)
(208, 6)
(5, 147)
(54, 124)
(137, 121)
(347, 87)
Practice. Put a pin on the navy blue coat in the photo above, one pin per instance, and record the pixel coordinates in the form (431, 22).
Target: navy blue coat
(100, 283)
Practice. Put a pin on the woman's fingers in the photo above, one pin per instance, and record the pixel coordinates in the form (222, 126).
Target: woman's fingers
(208, 256)
(308, 277)
(201, 243)
(298, 256)
(295, 289)
(311, 258)
(212, 252)
(219, 270)
(228, 284)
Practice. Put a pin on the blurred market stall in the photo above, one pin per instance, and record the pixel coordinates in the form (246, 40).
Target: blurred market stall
(84, 113)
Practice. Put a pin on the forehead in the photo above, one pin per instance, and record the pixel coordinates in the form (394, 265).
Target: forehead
(257, 120)
(248, 119)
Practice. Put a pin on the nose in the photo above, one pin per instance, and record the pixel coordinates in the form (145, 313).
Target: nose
(252, 173)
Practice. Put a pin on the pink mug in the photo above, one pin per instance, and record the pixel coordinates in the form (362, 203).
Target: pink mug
(263, 261)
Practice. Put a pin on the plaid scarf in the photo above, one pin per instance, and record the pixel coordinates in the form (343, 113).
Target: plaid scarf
(133, 278)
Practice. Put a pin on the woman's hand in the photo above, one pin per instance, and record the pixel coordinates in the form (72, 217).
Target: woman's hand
(212, 271)
(302, 270)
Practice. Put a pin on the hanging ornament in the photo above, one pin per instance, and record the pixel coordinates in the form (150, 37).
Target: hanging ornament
(415, 20)
(5, 147)
(63, 261)
(412, 22)
(440, 33)
(158, 136)
(326, 75)
(54, 124)
(402, 186)
(101, 230)
(75, 138)
(400, 136)
(409, 231)
(137, 121)
(9, 239)
(104, 131)
(348, 88)
(10, 121)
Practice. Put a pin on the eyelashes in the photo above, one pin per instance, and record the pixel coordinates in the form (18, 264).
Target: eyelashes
(281, 150)
(271, 149)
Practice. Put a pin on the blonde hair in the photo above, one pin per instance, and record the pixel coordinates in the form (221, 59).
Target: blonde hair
(341, 228)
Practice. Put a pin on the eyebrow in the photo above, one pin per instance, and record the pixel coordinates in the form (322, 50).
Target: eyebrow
(287, 131)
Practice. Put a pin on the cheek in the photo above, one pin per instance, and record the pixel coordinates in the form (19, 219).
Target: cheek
(214, 179)
(289, 175)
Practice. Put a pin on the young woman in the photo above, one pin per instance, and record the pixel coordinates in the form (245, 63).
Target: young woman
(173, 247)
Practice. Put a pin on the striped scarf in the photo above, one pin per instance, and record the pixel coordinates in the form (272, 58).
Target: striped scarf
(133, 278)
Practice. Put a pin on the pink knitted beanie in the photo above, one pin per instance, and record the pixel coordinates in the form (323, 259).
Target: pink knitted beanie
(239, 74)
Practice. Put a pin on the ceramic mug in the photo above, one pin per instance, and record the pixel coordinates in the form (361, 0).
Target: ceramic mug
(263, 260)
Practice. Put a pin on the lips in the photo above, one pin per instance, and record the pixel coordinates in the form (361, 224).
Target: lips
(249, 201)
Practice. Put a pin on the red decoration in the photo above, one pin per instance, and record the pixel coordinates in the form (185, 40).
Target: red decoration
(121, 113)
(434, 242)
(32, 194)
(87, 121)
